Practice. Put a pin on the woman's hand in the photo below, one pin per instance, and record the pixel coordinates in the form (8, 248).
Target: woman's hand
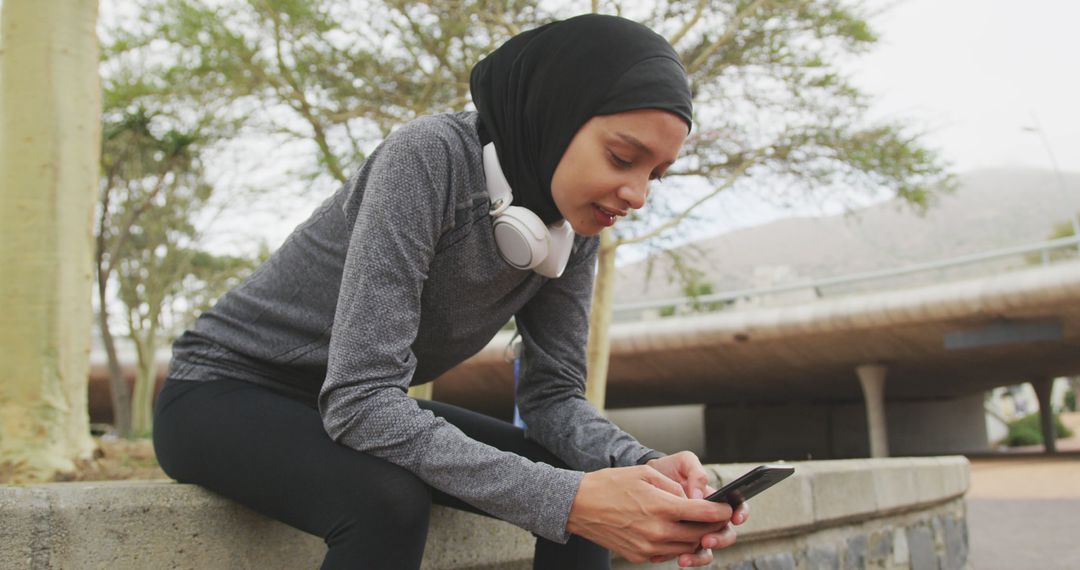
(685, 469)
(642, 514)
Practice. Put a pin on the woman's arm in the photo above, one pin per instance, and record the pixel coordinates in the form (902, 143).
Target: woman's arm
(551, 395)
(640, 512)
(363, 401)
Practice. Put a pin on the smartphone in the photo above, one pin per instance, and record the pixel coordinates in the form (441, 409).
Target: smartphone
(757, 480)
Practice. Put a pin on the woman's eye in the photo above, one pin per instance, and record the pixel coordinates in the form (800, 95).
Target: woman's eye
(620, 162)
(656, 177)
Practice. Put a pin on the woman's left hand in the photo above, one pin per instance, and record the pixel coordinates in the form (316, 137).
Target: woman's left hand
(685, 469)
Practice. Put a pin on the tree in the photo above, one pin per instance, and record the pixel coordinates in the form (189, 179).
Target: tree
(153, 189)
(318, 74)
(772, 109)
(49, 129)
(336, 75)
(772, 105)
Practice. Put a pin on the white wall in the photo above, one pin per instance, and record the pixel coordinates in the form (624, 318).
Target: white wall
(829, 431)
(669, 429)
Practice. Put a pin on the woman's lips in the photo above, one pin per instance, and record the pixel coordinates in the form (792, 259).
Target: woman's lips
(603, 217)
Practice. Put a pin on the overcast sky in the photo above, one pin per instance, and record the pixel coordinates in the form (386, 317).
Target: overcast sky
(978, 72)
(986, 79)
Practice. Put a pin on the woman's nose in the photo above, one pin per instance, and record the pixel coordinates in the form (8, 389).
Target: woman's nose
(634, 194)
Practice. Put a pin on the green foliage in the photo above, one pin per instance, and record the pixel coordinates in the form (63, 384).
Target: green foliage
(1070, 399)
(153, 191)
(153, 188)
(341, 74)
(1028, 431)
(694, 288)
(1058, 231)
(773, 107)
(772, 100)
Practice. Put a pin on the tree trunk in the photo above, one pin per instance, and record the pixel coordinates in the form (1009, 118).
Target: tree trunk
(1075, 382)
(142, 419)
(600, 321)
(423, 392)
(119, 394)
(50, 140)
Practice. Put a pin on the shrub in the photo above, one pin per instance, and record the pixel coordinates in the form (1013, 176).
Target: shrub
(1027, 431)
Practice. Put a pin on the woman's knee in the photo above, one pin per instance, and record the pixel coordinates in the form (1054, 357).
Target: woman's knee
(397, 503)
(171, 449)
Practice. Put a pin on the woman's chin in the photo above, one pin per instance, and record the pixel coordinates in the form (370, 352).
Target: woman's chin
(587, 230)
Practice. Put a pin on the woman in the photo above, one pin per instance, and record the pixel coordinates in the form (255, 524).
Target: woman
(289, 396)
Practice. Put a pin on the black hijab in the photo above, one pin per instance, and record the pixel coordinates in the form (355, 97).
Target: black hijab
(535, 91)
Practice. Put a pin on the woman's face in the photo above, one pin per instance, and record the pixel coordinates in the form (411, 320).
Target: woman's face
(606, 169)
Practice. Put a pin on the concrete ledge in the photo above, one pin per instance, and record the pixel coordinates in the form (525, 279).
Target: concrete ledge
(830, 493)
(161, 524)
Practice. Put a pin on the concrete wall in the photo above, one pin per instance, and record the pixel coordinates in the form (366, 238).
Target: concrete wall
(665, 428)
(833, 431)
(890, 513)
(853, 514)
(930, 539)
(938, 427)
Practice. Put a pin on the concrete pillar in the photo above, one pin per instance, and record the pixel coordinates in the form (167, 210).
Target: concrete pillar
(872, 379)
(1043, 388)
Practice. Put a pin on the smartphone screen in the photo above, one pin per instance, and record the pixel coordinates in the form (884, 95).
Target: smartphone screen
(757, 480)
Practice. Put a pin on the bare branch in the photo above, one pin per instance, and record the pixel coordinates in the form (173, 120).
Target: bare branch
(303, 106)
(689, 25)
(357, 152)
(678, 218)
(729, 35)
(425, 40)
(499, 18)
(102, 228)
(143, 207)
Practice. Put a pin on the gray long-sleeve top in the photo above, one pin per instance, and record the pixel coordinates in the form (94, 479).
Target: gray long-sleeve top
(394, 280)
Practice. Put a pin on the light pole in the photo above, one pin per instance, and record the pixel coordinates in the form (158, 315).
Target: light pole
(1037, 129)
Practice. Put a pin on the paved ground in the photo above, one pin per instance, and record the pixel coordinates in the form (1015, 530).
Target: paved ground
(1024, 509)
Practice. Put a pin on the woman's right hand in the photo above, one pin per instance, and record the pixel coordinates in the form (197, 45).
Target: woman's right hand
(641, 514)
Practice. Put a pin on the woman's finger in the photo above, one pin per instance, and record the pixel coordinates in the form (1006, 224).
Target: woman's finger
(673, 549)
(697, 510)
(696, 477)
(691, 532)
(742, 512)
(662, 482)
(702, 557)
(721, 539)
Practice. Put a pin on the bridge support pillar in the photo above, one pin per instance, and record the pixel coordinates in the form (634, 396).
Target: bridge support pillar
(872, 379)
(1043, 388)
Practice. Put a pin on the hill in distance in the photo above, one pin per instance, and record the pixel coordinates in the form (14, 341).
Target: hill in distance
(991, 209)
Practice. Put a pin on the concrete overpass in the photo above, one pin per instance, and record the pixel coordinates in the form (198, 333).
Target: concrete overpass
(889, 362)
(936, 346)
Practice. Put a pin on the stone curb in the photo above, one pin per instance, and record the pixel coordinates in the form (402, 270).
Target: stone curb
(162, 524)
(828, 493)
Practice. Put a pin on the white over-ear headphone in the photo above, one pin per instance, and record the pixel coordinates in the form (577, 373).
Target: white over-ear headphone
(520, 235)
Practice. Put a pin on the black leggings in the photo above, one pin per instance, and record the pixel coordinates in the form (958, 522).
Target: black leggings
(269, 451)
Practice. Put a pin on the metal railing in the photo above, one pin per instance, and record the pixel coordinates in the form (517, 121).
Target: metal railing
(1006, 259)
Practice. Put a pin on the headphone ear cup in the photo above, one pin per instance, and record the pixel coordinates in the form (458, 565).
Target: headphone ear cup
(521, 237)
(560, 245)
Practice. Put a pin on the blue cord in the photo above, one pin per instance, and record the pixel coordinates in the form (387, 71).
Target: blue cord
(517, 370)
